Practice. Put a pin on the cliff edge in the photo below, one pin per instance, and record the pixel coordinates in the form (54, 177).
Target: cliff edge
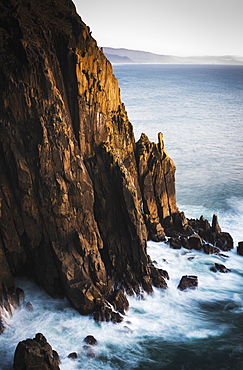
(78, 197)
(73, 180)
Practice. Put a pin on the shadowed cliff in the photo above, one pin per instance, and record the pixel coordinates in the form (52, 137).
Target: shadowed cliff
(79, 198)
(71, 203)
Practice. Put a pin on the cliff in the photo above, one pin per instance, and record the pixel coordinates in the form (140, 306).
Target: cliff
(79, 198)
(71, 199)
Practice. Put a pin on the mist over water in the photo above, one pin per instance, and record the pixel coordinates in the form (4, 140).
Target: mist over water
(200, 111)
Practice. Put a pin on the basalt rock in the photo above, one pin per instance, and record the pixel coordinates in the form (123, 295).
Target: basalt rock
(35, 353)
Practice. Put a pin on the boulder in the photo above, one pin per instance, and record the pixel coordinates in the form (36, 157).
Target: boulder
(210, 249)
(73, 355)
(219, 267)
(184, 242)
(29, 306)
(188, 282)
(175, 243)
(224, 241)
(240, 248)
(90, 339)
(36, 353)
(195, 242)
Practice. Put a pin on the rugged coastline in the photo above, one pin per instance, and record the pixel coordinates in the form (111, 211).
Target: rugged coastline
(77, 192)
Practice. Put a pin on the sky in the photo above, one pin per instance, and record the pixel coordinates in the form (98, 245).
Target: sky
(171, 27)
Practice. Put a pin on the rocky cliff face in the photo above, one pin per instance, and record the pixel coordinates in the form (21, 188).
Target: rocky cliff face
(73, 180)
(78, 196)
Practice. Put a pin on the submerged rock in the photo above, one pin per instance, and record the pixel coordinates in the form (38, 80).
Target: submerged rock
(29, 306)
(73, 355)
(188, 282)
(219, 267)
(34, 354)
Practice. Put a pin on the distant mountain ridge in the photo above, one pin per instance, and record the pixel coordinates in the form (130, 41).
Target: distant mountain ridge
(124, 56)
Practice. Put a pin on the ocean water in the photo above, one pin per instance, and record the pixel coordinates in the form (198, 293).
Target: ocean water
(199, 109)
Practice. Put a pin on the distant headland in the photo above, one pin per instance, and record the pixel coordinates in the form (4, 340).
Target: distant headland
(125, 56)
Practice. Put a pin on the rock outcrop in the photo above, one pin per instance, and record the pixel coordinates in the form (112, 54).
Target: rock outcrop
(78, 197)
(72, 183)
(156, 172)
(35, 353)
(188, 282)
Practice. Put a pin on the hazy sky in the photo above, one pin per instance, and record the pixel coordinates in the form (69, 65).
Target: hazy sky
(176, 27)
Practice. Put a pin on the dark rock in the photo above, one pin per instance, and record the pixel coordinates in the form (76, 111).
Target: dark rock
(119, 301)
(29, 306)
(175, 243)
(210, 249)
(195, 242)
(220, 268)
(212, 234)
(180, 223)
(89, 351)
(184, 242)
(215, 225)
(105, 312)
(20, 296)
(10, 297)
(223, 256)
(72, 177)
(188, 282)
(90, 340)
(79, 198)
(200, 225)
(35, 354)
(158, 277)
(56, 357)
(240, 248)
(224, 241)
(2, 325)
(73, 355)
